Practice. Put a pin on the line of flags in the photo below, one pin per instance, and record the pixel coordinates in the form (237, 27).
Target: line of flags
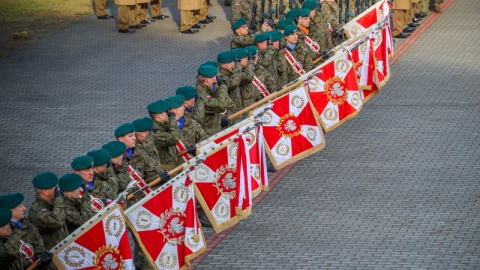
(230, 167)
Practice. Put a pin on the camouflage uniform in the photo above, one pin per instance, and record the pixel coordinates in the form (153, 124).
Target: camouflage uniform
(302, 43)
(232, 80)
(216, 101)
(247, 89)
(10, 257)
(242, 41)
(120, 174)
(166, 149)
(77, 212)
(145, 165)
(319, 31)
(243, 9)
(192, 132)
(49, 218)
(268, 59)
(301, 55)
(198, 112)
(103, 189)
(267, 79)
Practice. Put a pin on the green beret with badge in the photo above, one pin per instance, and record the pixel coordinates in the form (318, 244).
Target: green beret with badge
(82, 163)
(240, 53)
(176, 101)
(238, 23)
(100, 157)
(282, 24)
(70, 182)
(5, 216)
(261, 37)
(124, 129)
(115, 148)
(11, 200)
(208, 71)
(225, 57)
(275, 35)
(46, 180)
(253, 50)
(188, 92)
(290, 30)
(305, 12)
(158, 106)
(310, 4)
(143, 124)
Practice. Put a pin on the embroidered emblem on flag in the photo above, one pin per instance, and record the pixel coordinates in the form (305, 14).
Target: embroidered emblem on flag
(362, 22)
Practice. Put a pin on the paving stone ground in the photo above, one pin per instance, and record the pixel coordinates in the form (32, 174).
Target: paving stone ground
(396, 187)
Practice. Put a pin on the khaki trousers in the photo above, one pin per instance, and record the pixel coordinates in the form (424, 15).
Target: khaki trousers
(142, 12)
(187, 19)
(398, 19)
(100, 7)
(124, 16)
(156, 8)
(409, 15)
(203, 12)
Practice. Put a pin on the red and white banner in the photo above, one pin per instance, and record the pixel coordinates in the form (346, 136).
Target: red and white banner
(334, 93)
(383, 49)
(290, 129)
(362, 22)
(166, 225)
(102, 245)
(138, 179)
(258, 162)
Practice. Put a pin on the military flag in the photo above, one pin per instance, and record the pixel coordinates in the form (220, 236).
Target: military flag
(383, 47)
(102, 243)
(291, 130)
(166, 225)
(334, 92)
(362, 22)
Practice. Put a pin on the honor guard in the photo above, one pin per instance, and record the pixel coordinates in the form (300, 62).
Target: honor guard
(268, 45)
(156, 10)
(77, 208)
(120, 165)
(194, 106)
(246, 60)
(241, 37)
(21, 243)
(188, 20)
(231, 72)
(305, 40)
(126, 14)
(100, 10)
(263, 82)
(47, 211)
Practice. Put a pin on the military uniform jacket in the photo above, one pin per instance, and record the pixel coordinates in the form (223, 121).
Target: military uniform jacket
(243, 9)
(192, 133)
(102, 187)
(284, 68)
(196, 113)
(247, 89)
(302, 43)
(319, 31)
(242, 41)
(49, 218)
(267, 79)
(145, 165)
(10, 255)
(268, 59)
(77, 212)
(165, 135)
(120, 173)
(167, 151)
(216, 101)
(232, 81)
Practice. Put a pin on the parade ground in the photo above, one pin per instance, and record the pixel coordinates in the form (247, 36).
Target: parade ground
(396, 187)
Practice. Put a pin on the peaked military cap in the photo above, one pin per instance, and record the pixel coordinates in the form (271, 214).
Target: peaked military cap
(261, 37)
(100, 157)
(176, 101)
(240, 53)
(252, 50)
(293, 14)
(238, 23)
(225, 57)
(46, 180)
(82, 163)
(282, 24)
(188, 92)
(11, 200)
(276, 35)
(143, 124)
(290, 30)
(310, 4)
(124, 129)
(70, 182)
(208, 71)
(5, 216)
(158, 106)
(115, 148)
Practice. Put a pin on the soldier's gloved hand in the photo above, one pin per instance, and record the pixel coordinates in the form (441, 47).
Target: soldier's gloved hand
(170, 113)
(164, 176)
(58, 192)
(14, 226)
(224, 122)
(220, 81)
(46, 258)
(192, 149)
(335, 33)
(250, 56)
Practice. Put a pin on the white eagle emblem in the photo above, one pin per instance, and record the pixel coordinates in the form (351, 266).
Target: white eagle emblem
(109, 262)
(337, 90)
(176, 226)
(290, 125)
(229, 181)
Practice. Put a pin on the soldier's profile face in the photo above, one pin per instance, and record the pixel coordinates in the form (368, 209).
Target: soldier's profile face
(18, 212)
(293, 38)
(86, 174)
(190, 102)
(142, 136)
(128, 139)
(118, 160)
(6, 231)
(304, 21)
(179, 112)
(76, 194)
(242, 31)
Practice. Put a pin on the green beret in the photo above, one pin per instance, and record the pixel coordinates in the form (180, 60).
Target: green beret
(115, 148)
(276, 35)
(293, 14)
(188, 92)
(11, 200)
(290, 30)
(211, 63)
(310, 4)
(46, 180)
(253, 50)
(100, 157)
(176, 101)
(238, 23)
(208, 71)
(82, 163)
(70, 182)
(225, 57)
(124, 129)
(158, 106)
(240, 53)
(143, 124)
(282, 24)
(261, 37)
(5, 216)
(305, 12)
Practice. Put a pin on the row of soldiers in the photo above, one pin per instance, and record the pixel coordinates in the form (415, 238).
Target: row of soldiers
(133, 14)
(409, 12)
